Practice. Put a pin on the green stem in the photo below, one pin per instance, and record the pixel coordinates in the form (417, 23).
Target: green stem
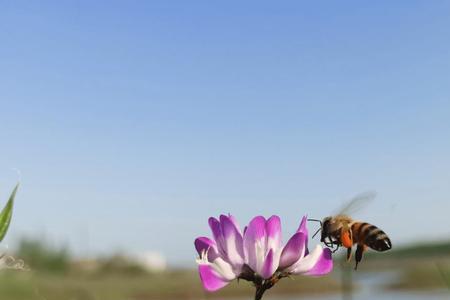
(259, 292)
(263, 286)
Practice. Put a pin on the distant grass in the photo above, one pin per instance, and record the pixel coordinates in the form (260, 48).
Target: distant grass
(39, 255)
(20, 285)
(445, 274)
(54, 276)
(419, 267)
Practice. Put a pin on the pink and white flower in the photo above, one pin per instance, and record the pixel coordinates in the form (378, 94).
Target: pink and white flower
(257, 255)
(220, 260)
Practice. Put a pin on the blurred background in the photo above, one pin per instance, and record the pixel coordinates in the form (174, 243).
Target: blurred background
(129, 123)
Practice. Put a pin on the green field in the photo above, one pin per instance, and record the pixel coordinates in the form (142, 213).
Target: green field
(52, 275)
(27, 285)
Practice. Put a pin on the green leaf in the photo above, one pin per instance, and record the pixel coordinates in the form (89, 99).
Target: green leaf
(5, 215)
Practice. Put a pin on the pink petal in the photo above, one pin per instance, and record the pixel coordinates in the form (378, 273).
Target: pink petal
(293, 251)
(216, 230)
(273, 231)
(303, 229)
(234, 221)
(323, 266)
(205, 244)
(211, 280)
(255, 233)
(318, 262)
(269, 267)
(233, 244)
(256, 230)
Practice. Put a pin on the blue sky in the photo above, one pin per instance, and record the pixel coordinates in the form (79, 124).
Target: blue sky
(133, 122)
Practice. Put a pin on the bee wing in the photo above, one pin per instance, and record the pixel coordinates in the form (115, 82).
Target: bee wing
(357, 203)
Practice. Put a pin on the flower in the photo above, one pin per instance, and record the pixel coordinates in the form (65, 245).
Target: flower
(257, 255)
(222, 260)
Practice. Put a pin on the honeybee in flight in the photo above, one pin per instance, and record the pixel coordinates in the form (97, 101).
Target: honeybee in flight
(341, 230)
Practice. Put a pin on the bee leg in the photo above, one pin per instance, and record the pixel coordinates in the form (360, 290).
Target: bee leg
(329, 244)
(337, 248)
(349, 253)
(358, 255)
(331, 247)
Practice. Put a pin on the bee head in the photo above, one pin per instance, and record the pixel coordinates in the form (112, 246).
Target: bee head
(325, 228)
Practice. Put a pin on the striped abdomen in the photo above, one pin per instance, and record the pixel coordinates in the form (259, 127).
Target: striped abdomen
(370, 235)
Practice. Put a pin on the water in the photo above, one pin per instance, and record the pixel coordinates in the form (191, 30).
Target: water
(376, 295)
(370, 288)
(438, 295)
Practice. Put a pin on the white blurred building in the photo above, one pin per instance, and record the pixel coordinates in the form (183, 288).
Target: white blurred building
(151, 261)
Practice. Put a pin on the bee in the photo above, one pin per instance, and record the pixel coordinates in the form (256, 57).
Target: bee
(341, 230)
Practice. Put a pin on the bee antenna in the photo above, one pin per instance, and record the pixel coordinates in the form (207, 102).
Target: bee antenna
(316, 232)
(320, 228)
(315, 220)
